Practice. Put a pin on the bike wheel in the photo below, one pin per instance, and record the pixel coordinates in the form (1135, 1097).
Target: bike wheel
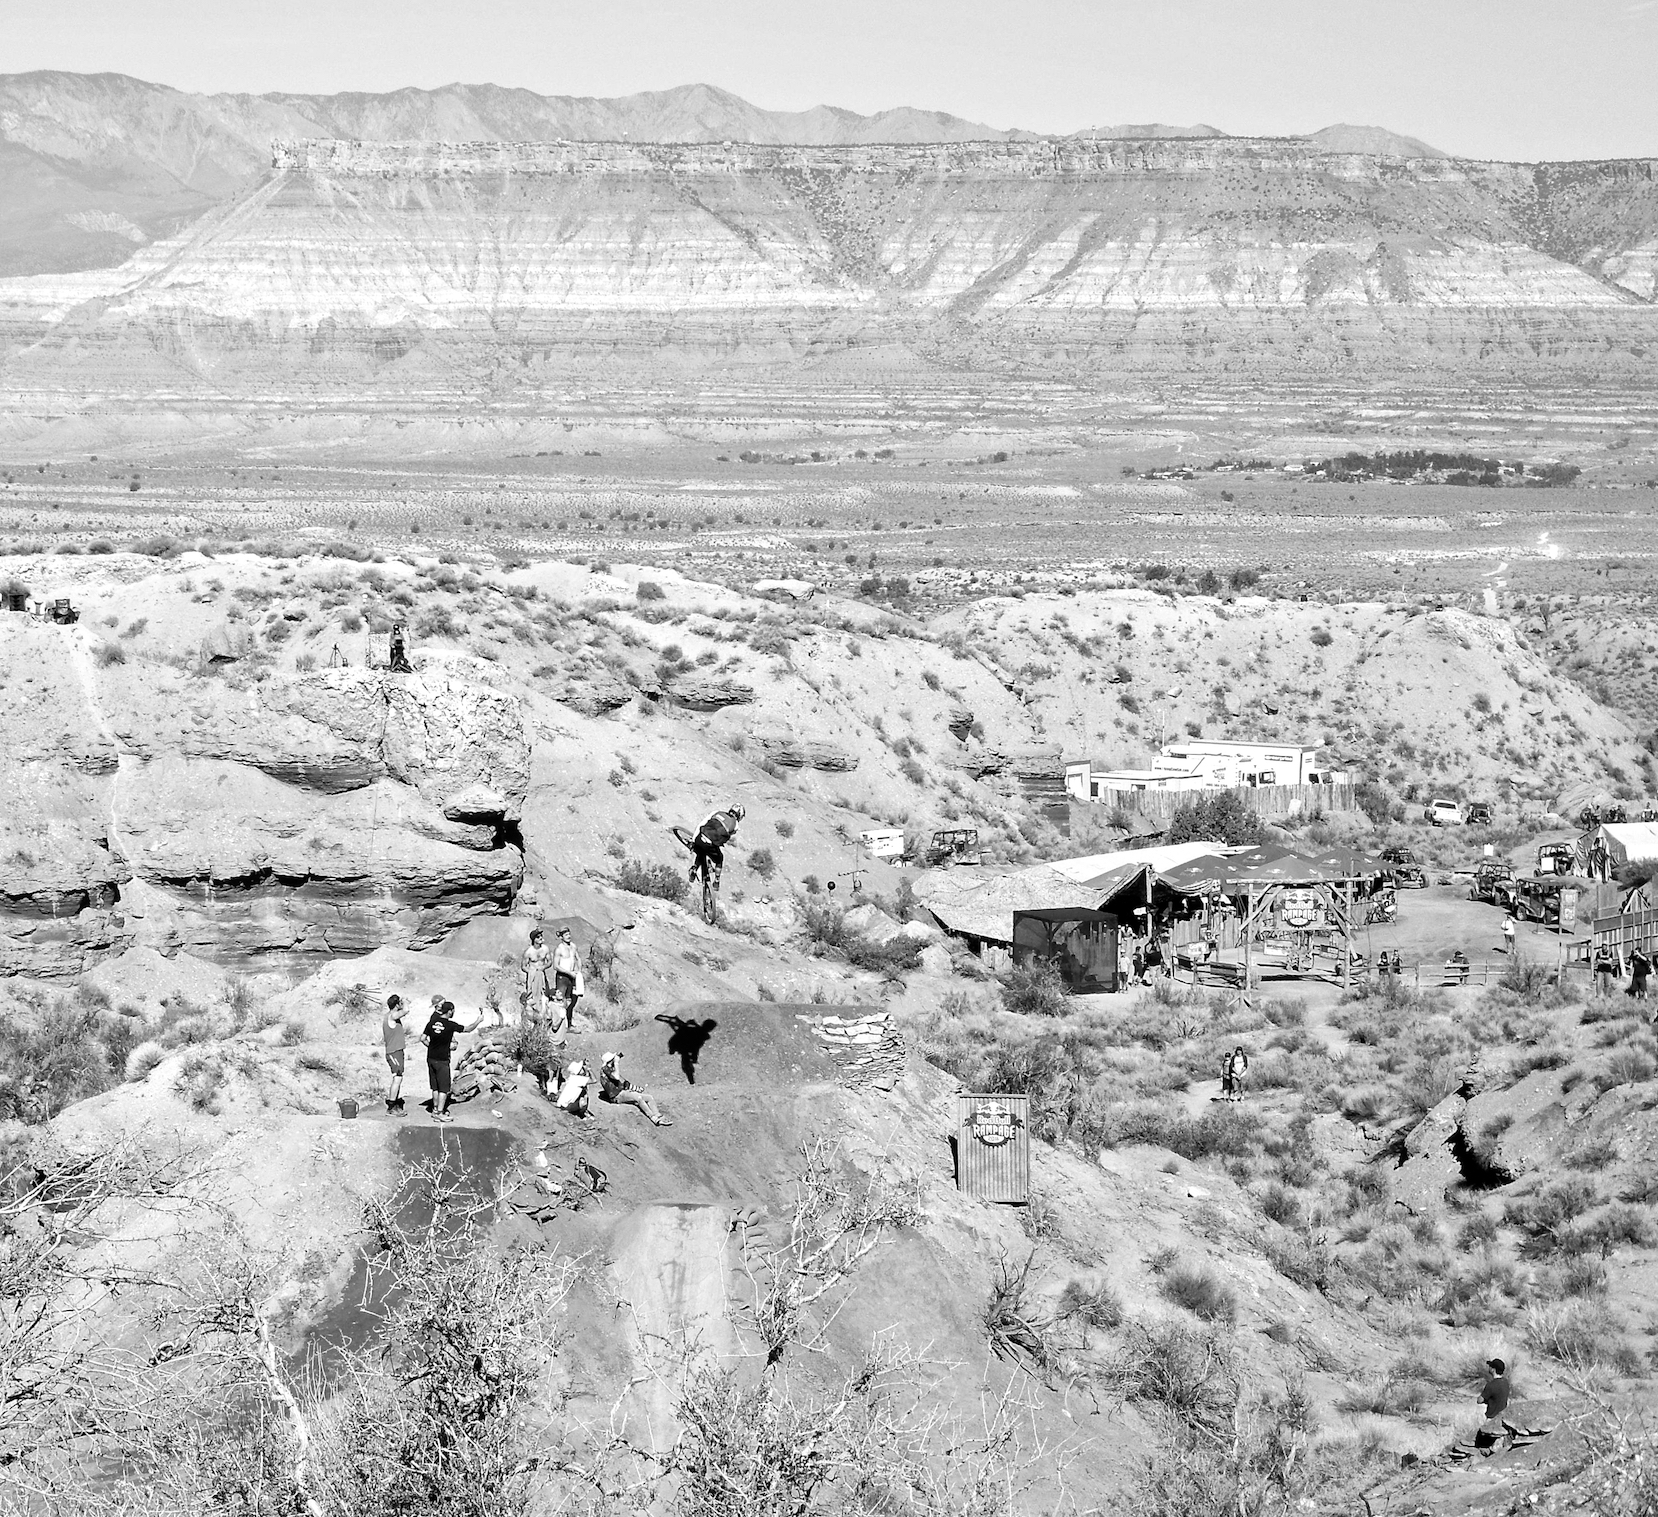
(708, 898)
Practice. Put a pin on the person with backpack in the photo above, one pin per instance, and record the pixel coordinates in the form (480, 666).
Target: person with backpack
(708, 846)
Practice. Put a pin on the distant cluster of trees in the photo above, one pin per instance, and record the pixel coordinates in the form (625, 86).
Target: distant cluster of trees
(1447, 468)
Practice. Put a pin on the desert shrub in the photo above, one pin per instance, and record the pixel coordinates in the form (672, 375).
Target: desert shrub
(1626, 1066)
(1035, 990)
(1580, 1335)
(200, 1082)
(67, 1051)
(1321, 637)
(1300, 1258)
(1388, 1397)
(110, 653)
(1199, 1292)
(1546, 1215)
(1191, 1373)
(760, 860)
(1280, 1205)
(1092, 1305)
(783, 827)
(664, 882)
(142, 1060)
(649, 590)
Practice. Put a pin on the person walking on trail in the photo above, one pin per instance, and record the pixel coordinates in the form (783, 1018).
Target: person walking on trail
(567, 986)
(1608, 969)
(439, 1038)
(1234, 1074)
(395, 1032)
(708, 846)
(620, 1092)
(538, 963)
(1508, 934)
(1640, 967)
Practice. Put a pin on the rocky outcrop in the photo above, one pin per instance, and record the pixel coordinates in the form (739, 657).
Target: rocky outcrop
(960, 722)
(791, 752)
(326, 812)
(592, 691)
(709, 694)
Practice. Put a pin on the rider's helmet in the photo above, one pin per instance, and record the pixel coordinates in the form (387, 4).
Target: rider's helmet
(737, 810)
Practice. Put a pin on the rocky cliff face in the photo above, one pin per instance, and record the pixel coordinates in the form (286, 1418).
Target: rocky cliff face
(328, 812)
(351, 258)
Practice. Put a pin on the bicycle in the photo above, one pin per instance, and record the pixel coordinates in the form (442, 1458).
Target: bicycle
(710, 889)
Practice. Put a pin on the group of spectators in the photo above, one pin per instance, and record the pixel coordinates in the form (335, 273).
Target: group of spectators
(552, 987)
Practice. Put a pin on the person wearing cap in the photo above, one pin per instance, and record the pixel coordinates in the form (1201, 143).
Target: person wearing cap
(620, 1092)
(538, 960)
(1495, 1392)
(567, 986)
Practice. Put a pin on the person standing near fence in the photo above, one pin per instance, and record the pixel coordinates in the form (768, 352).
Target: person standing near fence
(1640, 967)
(1608, 969)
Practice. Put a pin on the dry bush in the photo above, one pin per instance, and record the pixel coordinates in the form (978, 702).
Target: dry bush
(663, 882)
(1096, 1306)
(1200, 1292)
(1190, 1373)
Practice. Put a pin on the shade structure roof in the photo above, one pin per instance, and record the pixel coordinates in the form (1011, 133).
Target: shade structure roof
(982, 907)
(1256, 868)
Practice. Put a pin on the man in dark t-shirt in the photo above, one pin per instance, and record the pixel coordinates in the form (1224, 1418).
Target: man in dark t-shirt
(439, 1038)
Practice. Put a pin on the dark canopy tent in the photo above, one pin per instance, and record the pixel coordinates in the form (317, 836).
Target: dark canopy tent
(1082, 944)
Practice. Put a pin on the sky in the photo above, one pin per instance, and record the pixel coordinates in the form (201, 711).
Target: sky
(1516, 79)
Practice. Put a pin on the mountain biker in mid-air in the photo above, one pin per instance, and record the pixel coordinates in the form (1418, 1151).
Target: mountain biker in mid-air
(707, 847)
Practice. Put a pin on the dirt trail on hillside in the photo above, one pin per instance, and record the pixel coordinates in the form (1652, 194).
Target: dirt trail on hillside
(672, 1267)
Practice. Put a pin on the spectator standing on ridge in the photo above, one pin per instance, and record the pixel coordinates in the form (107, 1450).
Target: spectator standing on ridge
(439, 1038)
(1494, 1394)
(399, 649)
(538, 959)
(1608, 969)
(567, 986)
(396, 1036)
(620, 1092)
(1640, 966)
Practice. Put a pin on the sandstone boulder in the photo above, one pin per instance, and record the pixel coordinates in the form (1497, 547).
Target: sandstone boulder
(592, 691)
(795, 589)
(869, 921)
(960, 722)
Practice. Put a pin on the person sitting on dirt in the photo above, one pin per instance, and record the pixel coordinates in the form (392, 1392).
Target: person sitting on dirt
(400, 649)
(708, 846)
(573, 1090)
(439, 1038)
(1608, 969)
(538, 959)
(567, 986)
(396, 1036)
(1234, 1074)
(620, 1092)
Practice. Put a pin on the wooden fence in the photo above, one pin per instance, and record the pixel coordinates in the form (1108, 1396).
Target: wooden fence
(1154, 809)
(1628, 929)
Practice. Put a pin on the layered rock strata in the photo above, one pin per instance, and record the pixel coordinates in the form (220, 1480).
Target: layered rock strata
(354, 260)
(328, 812)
